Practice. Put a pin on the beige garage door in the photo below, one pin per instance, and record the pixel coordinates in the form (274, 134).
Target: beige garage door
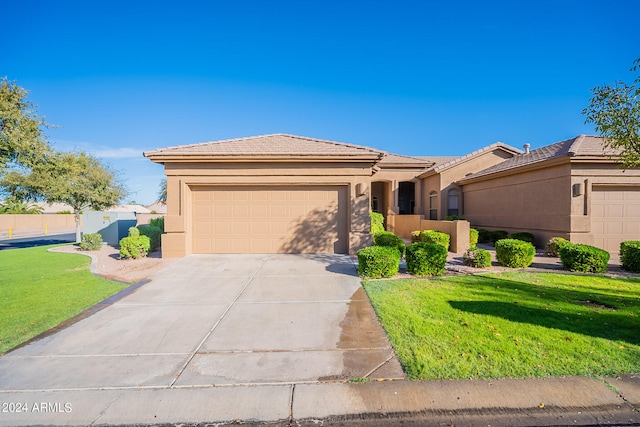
(304, 219)
(615, 216)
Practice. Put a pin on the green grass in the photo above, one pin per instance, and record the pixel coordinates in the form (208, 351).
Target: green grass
(40, 289)
(514, 324)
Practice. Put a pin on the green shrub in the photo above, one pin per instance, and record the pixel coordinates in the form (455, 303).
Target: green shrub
(477, 257)
(158, 222)
(134, 247)
(134, 232)
(387, 238)
(435, 237)
(426, 259)
(498, 235)
(552, 248)
(524, 236)
(630, 255)
(473, 237)
(378, 261)
(415, 236)
(515, 253)
(153, 233)
(454, 218)
(377, 222)
(484, 236)
(584, 258)
(91, 242)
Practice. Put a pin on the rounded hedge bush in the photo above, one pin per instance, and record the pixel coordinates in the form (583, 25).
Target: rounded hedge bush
(498, 235)
(524, 236)
(134, 246)
(473, 237)
(377, 222)
(387, 238)
(153, 233)
(426, 259)
(584, 258)
(378, 261)
(514, 253)
(630, 255)
(552, 248)
(91, 242)
(436, 238)
(477, 257)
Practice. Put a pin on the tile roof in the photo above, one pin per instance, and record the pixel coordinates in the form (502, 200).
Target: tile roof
(438, 167)
(437, 160)
(267, 145)
(579, 146)
(418, 161)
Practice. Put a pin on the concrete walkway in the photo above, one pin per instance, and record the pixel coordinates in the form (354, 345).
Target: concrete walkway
(266, 339)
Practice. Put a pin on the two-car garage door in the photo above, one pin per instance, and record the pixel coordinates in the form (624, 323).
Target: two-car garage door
(269, 219)
(615, 216)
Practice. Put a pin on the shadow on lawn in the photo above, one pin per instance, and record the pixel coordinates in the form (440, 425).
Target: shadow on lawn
(588, 312)
(611, 326)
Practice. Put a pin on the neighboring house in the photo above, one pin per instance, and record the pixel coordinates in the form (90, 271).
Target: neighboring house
(290, 194)
(573, 189)
(157, 207)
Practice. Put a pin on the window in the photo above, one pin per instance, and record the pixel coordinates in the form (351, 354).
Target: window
(433, 206)
(375, 204)
(453, 203)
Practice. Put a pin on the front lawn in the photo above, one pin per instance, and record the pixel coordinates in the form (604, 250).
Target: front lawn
(40, 289)
(514, 324)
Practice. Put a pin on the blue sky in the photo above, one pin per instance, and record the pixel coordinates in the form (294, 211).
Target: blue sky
(410, 77)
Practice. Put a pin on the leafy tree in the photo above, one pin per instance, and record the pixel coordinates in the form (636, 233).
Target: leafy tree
(162, 192)
(77, 179)
(615, 112)
(22, 141)
(15, 206)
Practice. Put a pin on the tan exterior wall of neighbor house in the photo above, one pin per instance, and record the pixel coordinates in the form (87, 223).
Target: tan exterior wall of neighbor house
(537, 201)
(549, 201)
(443, 181)
(183, 178)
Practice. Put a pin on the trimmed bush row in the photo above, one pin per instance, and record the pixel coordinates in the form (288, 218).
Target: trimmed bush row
(583, 258)
(158, 222)
(153, 233)
(630, 255)
(514, 253)
(477, 257)
(389, 239)
(378, 261)
(553, 246)
(426, 259)
(436, 238)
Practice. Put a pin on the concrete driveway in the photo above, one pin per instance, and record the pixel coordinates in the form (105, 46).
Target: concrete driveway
(217, 320)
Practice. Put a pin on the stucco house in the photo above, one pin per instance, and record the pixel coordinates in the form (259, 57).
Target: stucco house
(291, 194)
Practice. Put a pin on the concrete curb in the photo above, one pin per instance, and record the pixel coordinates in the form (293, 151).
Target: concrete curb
(529, 402)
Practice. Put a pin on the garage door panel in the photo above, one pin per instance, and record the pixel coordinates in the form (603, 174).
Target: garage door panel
(270, 219)
(615, 216)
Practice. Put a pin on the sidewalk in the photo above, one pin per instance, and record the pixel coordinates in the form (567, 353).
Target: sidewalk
(532, 402)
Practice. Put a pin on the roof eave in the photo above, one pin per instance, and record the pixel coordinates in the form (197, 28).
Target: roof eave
(516, 170)
(200, 158)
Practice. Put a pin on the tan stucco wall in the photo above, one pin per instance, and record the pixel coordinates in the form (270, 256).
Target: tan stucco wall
(458, 231)
(537, 201)
(445, 179)
(540, 199)
(182, 177)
